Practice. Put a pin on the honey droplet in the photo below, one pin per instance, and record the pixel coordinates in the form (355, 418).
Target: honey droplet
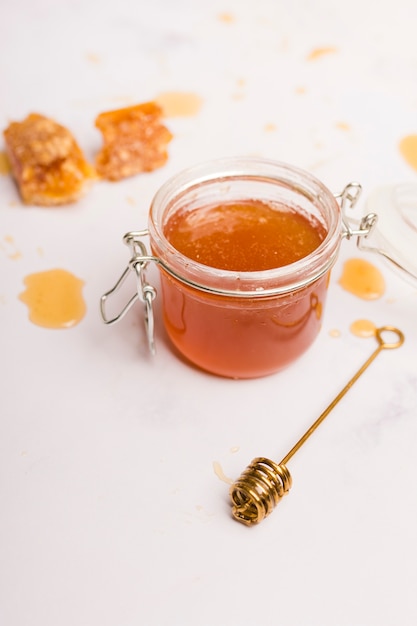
(227, 18)
(54, 299)
(408, 149)
(342, 126)
(179, 104)
(362, 279)
(363, 328)
(93, 58)
(334, 332)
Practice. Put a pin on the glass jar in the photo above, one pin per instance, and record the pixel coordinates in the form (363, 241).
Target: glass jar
(232, 323)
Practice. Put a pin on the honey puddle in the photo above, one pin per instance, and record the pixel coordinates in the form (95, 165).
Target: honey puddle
(362, 279)
(54, 299)
(363, 328)
(408, 149)
(179, 104)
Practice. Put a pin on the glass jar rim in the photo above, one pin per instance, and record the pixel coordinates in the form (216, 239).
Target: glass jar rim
(255, 283)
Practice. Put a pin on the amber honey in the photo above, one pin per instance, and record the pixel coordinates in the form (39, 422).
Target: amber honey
(248, 236)
(242, 338)
(245, 249)
(54, 298)
(362, 279)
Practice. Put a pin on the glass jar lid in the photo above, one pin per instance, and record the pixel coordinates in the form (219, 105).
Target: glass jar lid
(395, 233)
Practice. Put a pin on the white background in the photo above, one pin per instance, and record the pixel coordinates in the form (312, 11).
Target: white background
(111, 513)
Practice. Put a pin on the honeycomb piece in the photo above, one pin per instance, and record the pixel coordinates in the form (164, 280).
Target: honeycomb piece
(134, 139)
(46, 161)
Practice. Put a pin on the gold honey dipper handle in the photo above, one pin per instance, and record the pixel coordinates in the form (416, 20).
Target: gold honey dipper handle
(264, 483)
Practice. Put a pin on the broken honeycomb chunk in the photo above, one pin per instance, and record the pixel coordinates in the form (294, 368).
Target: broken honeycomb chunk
(46, 161)
(134, 139)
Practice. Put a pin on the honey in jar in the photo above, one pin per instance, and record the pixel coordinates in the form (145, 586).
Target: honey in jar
(245, 247)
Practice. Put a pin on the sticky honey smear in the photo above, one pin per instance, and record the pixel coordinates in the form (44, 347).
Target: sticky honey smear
(408, 149)
(362, 279)
(318, 53)
(54, 299)
(218, 470)
(179, 103)
(363, 328)
(9, 247)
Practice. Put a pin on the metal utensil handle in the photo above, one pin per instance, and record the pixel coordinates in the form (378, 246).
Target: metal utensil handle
(264, 483)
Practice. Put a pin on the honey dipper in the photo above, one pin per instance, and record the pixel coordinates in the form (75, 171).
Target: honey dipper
(264, 483)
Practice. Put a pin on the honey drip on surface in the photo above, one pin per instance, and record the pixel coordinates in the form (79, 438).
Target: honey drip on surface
(362, 279)
(343, 126)
(317, 53)
(334, 332)
(363, 328)
(179, 104)
(54, 299)
(10, 248)
(227, 18)
(408, 149)
(218, 470)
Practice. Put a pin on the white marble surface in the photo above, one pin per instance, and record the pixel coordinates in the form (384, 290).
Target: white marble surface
(111, 513)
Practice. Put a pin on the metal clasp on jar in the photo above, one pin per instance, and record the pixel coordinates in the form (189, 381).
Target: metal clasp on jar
(348, 199)
(365, 228)
(145, 292)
